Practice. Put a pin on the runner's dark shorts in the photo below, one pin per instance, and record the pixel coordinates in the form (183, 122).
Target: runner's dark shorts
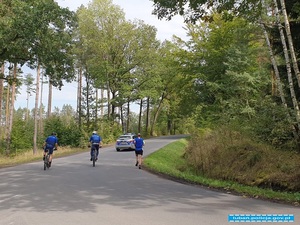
(139, 152)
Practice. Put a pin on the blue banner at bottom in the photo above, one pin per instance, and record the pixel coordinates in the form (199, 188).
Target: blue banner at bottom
(263, 218)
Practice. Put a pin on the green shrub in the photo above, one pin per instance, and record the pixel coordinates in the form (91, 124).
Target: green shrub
(227, 154)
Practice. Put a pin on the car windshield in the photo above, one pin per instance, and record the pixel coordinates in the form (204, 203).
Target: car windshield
(125, 137)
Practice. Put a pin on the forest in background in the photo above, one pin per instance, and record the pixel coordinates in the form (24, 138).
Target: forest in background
(239, 68)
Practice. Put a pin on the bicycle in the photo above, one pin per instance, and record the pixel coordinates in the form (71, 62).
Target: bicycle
(94, 155)
(46, 161)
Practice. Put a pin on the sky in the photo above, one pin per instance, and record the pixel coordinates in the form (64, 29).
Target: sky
(134, 9)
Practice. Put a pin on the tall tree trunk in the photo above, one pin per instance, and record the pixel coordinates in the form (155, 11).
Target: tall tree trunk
(102, 101)
(174, 127)
(7, 107)
(148, 115)
(275, 67)
(128, 116)
(27, 106)
(97, 108)
(279, 87)
(36, 110)
(1, 100)
(12, 106)
(87, 102)
(140, 116)
(122, 120)
(156, 114)
(79, 97)
(169, 126)
(41, 108)
(108, 99)
(50, 92)
(113, 107)
(108, 104)
(290, 40)
(288, 66)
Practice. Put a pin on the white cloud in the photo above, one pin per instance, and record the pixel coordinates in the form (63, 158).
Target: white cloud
(142, 9)
(139, 9)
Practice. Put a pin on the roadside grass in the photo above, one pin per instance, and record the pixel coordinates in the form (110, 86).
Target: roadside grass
(169, 161)
(28, 156)
(226, 154)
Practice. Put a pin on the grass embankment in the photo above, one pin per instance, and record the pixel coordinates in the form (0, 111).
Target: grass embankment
(182, 160)
(27, 156)
(171, 161)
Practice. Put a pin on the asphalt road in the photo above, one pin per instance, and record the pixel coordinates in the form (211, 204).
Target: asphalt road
(115, 192)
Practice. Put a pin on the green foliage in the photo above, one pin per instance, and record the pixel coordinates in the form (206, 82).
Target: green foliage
(272, 126)
(226, 67)
(231, 155)
(193, 10)
(68, 134)
(41, 31)
(113, 48)
(71, 136)
(63, 123)
(220, 76)
(108, 130)
(231, 84)
(226, 70)
(22, 133)
(170, 161)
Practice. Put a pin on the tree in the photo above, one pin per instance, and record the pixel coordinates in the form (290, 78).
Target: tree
(28, 82)
(79, 97)
(34, 30)
(9, 125)
(194, 10)
(166, 74)
(1, 98)
(290, 40)
(22, 132)
(224, 72)
(288, 66)
(256, 12)
(115, 46)
(37, 93)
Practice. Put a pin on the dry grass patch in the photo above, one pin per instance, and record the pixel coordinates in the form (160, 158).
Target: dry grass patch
(227, 155)
(28, 156)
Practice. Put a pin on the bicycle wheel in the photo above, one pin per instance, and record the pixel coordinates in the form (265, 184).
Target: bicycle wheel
(45, 165)
(46, 162)
(94, 157)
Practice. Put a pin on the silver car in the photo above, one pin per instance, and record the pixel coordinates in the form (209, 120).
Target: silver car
(125, 142)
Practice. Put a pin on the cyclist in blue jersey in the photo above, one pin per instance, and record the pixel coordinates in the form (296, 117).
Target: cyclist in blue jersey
(139, 144)
(50, 144)
(96, 142)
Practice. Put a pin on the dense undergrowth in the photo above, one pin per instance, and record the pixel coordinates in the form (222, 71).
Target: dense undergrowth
(228, 155)
(171, 162)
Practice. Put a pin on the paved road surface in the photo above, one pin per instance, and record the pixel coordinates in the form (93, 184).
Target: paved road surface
(115, 192)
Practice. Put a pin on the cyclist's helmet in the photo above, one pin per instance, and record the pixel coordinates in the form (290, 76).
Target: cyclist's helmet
(94, 132)
(53, 133)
